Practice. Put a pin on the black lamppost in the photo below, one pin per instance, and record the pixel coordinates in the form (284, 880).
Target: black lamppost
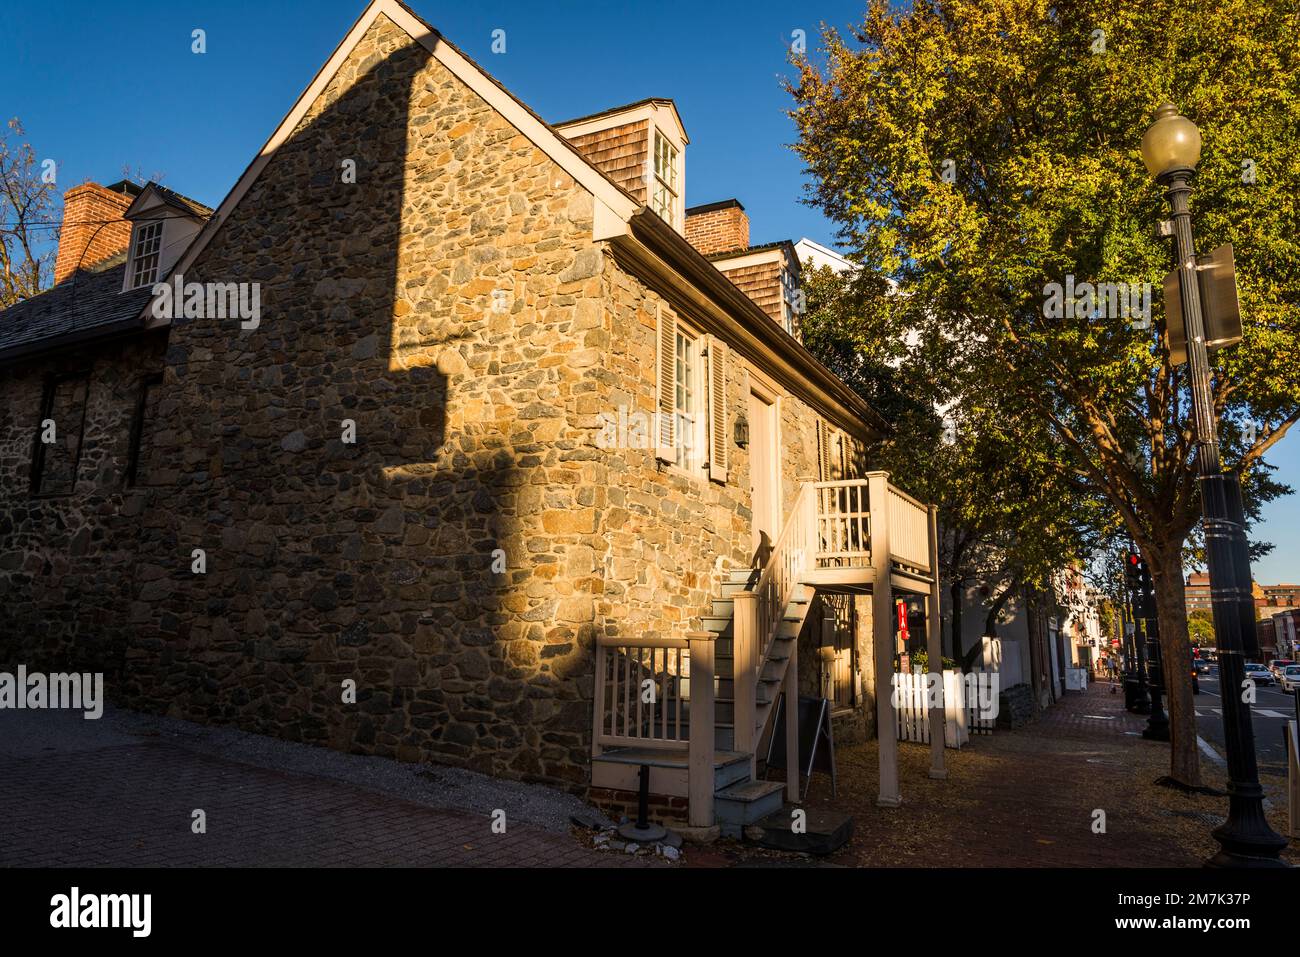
(1171, 149)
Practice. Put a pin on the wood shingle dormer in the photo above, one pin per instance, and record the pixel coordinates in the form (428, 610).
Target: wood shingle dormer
(642, 148)
(769, 275)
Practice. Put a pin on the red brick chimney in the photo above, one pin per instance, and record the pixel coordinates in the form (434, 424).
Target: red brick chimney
(93, 227)
(718, 227)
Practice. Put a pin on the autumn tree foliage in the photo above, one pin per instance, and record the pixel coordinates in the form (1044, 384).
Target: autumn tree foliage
(979, 152)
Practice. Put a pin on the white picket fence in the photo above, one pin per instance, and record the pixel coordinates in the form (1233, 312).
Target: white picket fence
(912, 713)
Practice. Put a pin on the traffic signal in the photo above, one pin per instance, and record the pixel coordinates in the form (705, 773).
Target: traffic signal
(1133, 572)
(1142, 593)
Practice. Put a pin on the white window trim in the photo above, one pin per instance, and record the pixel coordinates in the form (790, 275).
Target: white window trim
(137, 237)
(678, 210)
(697, 464)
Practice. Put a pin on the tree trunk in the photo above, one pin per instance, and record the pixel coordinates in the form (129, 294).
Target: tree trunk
(1166, 568)
(1033, 620)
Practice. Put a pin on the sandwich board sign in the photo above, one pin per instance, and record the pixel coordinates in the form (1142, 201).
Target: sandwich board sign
(816, 740)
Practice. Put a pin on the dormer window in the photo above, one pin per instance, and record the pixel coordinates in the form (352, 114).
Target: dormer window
(163, 224)
(641, 147)
(664, 189)
(145, 255)
(789, 300)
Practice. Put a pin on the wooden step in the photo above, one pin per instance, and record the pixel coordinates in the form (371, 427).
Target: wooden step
(745, 803)
(729, 767)
(730, 588)
(717, 624)
(724, 607)
(773, 670)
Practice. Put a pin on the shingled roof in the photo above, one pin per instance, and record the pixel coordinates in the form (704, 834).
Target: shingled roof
(88, 305)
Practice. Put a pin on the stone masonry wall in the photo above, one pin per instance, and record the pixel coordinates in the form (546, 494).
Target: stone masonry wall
(431, 589)
(667, 534)
(448, 304)
(66, 561)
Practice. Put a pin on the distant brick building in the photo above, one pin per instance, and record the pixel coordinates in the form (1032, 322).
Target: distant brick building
(1268, 598)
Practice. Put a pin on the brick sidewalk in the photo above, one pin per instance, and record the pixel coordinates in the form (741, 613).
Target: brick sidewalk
(1028, 798)
(131, 805)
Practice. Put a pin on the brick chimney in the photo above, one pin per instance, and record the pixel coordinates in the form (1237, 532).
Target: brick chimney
(93, 227)
(718, 227)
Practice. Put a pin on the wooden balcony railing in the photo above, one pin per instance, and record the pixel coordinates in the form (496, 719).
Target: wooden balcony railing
(658, 693)
(844, 521)
(909, 531)
(632, 713)
(843, 524)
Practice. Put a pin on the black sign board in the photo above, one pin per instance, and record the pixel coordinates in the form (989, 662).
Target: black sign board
(816, 739)
(1216, 278)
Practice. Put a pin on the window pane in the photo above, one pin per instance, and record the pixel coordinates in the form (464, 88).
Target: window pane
(686, 410)
(148, 244)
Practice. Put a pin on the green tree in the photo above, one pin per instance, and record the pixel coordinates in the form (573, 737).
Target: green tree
(1007, 517)
(979, 151)
(1200, 629)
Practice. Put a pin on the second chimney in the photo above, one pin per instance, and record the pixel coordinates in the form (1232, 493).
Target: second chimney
(93, 227)
(718, 227)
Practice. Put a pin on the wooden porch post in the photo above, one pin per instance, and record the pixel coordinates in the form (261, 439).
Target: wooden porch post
(791, 688)
(934, 651)
(700, 778)
(882, 618)
(744, 673)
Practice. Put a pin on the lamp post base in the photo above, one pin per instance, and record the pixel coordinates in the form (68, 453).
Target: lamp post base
(1246, 840)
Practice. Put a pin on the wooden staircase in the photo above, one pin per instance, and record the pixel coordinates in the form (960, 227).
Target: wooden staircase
(749, 801)
(712, 693)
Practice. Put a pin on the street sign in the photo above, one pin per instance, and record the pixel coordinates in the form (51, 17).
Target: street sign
(1216, 277)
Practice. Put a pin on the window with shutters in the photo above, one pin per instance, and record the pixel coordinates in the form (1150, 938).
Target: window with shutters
(692, 410)
(57, 454)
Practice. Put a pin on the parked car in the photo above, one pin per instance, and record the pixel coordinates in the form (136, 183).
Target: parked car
(1259, 674)
(1290, 678)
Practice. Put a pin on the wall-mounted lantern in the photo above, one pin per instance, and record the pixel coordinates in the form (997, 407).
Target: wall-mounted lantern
(742, 431)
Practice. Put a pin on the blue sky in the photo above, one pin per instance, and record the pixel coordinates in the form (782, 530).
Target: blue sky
(106, 85)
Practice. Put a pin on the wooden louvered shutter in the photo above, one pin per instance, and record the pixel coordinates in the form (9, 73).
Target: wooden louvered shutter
(824, 450)
(718, 444)
(666, 384)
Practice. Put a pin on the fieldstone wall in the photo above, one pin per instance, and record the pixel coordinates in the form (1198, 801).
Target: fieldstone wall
(447, 305)
(66, 561)
(382, 520)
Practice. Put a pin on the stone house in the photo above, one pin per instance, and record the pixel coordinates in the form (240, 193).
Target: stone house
(516, 462)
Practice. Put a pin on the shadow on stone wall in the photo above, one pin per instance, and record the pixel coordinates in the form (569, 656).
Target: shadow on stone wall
(329, 562)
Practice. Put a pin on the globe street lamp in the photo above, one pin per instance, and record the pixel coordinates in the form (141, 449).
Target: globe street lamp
(1171, 149)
